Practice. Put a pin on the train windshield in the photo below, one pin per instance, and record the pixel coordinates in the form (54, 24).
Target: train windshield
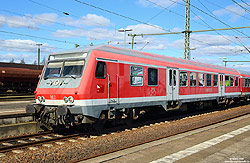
(64, 69)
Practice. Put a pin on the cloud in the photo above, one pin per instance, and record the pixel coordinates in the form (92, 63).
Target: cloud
(88, 20)
(163, 3)
(212, 45)
(29, 21)
(18, 45)
(2, 20)
(233, 11)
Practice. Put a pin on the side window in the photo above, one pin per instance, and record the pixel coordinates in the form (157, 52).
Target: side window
(248, 82)
(152, 76)
(100, 71)
(215, 80)
(227, 81)
(236, 81)
(201, 80)
(221, 80)
(170, 77)
(193, 79)
(244, 80)
(136, 75)
(209, 80)
(231, 81)
(183, 79)
(174, 76)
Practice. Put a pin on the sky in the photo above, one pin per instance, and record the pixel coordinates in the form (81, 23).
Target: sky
(60, 24)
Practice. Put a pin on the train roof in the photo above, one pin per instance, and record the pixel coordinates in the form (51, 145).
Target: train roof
(152, 56)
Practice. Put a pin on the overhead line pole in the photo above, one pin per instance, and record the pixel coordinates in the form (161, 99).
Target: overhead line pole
(187, 31)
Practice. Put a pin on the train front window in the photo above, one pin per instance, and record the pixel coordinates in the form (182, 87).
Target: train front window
(66, 69)
(53, 70)
(73, 68)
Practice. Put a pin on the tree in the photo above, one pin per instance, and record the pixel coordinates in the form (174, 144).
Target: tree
(22, 61)
(12, 60)
(35, 63)
(43, 61)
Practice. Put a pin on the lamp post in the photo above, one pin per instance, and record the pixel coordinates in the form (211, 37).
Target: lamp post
(223, 60)
(38, 55)
(124, 30)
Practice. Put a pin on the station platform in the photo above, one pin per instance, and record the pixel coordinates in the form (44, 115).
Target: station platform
(225, 142)
(14, 107)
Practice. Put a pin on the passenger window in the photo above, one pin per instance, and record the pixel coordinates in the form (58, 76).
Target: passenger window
(183, 79)
(246, 83)
(231, 81)
(136, 75)
(152, 76)
(100, 71)
(215, 80)
(201, 80)
(193, 79)
(236, 81)
(209, 80)
(227, 81)
(243, 84)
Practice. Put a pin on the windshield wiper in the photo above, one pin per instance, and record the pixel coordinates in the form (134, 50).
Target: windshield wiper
(73, 76)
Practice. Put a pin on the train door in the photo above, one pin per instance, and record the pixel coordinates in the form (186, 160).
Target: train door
(221, 85)
(113, 82)
(172, 84)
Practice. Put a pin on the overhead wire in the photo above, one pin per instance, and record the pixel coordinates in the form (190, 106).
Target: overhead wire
(63, 12)
(226, 9)
(245, 3)
(55, 22)
(241, 6)
(214, 17)
(212, 27)
(39, 37)
(120, 15)
(199, 23)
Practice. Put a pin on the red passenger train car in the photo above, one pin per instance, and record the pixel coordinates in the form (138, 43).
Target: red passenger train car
(97, 83)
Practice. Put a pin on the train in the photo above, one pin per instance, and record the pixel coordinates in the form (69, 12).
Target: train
(18, 78)
(92, 85)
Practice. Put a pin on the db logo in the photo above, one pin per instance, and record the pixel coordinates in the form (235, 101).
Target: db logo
(52, 97)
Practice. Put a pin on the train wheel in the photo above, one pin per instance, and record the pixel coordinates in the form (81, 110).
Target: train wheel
(132, 116)
(100, 123)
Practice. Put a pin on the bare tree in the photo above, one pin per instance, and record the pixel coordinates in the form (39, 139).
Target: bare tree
(12, 60)
(22, 61)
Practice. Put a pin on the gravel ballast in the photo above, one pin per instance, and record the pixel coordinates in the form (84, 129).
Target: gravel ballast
(70, 151)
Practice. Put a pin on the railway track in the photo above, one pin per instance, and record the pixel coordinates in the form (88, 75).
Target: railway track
(125, 136)
(7, 98)
(11, 143)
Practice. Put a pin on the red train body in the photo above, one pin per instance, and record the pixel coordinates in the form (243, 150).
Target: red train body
(104, 82)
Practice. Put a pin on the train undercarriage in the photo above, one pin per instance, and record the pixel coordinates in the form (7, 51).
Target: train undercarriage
(60, 116)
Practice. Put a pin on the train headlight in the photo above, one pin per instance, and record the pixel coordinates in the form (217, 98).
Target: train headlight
(71, 99)
(39, 98)
(43, 99)
(65, 99)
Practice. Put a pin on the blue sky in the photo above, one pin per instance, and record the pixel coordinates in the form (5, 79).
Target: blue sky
(24, 23)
